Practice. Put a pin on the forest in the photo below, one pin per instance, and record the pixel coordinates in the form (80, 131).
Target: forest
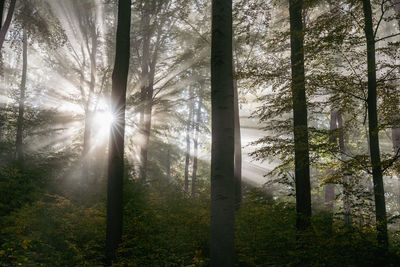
(200, 133)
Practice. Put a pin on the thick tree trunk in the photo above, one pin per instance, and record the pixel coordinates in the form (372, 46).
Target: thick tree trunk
(187, 155)
(7, 22)
(302, 164)
(116, 145)
(238, 144)
(196, 145)
(21, 107)
(222, 151)
(373, 131)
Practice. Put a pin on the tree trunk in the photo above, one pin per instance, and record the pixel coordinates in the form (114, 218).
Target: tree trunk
(238, 144)
(168, 164)
(1, 12)
(302, 165)
(88, 110)
(21, 107)
(330, 188)
(116, 144)
(196, 145)
(373, 131)
(187, 155)
(7, 22)
(396, 149)
(86, 146)
(144, 91)
(346, 193)
(222, 151)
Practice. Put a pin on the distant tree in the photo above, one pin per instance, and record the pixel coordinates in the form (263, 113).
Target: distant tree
(189, 124)
(222, 151)
(21, 107)
(116, 144)
(196, 141)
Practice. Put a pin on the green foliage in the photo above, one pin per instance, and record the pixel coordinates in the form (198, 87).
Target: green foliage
(163, 228)
(53, 232)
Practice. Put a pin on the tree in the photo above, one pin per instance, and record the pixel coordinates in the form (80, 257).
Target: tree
(196, 141)
(116, 145)
(7, 22)
(373, 130)
(1, 12)
(222, 151)
(238, 144)
(21, 107)
(302, 165)
(188, 128)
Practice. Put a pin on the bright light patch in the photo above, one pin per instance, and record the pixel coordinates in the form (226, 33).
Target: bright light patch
(102, 122)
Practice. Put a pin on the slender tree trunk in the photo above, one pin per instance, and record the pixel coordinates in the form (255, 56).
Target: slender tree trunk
(223, 146)
(116, 145)
(238, 144)
(330, 188)
(1, 68)
(1, 12)
(196, 145)
(346, 193)
(168, 164)
(21, 107)
(380, 207)
(187, 155)
(302, 164)
(396, 149)
(144, 91)
(86, 146)
(396, 117)
(7, 22)
(146, 131)
(88, 110)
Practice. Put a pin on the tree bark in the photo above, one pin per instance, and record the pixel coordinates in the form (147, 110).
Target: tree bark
(21, 107)
(222, 151)
(116, 145)
(7, 22)
(302, 164)
(196, 145)
(373, 131)
(238, 144)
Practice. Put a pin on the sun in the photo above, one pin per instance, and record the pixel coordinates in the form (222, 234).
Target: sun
(102, 121)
